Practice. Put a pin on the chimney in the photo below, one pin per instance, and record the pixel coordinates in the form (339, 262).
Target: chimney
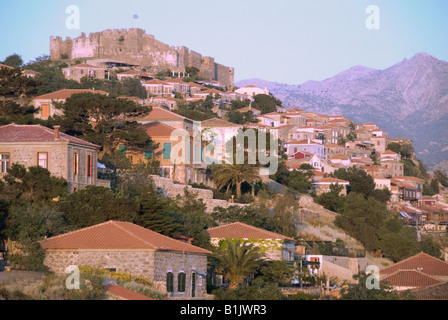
(56, 132)
(183, 238)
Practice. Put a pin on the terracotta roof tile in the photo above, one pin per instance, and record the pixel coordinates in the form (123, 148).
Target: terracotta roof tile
(157, 129)
(410, 278)
(158, 113)
(423, 262)
(117, 235)
(124, 293)
(244, 231)
(216, 122)
(35, 133)
(67, 93)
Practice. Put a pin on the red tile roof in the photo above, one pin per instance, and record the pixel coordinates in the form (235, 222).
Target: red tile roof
(410, 278)
(158, 113)
(340, 156)
(67, 93)
(211, 91)
(36, 133)
(157, 81)
(244, 231)
(423, 262)
(117, 235)
(5, 66)
(157, 129)
(216, 122)
(124, 293)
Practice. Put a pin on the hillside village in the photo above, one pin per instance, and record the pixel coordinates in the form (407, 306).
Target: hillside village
(86, 145)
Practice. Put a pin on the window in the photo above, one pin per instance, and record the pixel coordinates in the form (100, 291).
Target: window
(167, 150)
(169, 281)
(42, 159)
(89, 165)
(181, 282)
(4, 161)
(45, 111)
(75, 163)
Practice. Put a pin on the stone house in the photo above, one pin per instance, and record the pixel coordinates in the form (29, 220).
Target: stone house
(79, 71)
(274, 246)
(392, 168)
(341, 159)
(158, 87)
(45, 102)
(323, 185)
(407, 188)
(332, 149)
(63, 155)
(173, 266)
(332, 132)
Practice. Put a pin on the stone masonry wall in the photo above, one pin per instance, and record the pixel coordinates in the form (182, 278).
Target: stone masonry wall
(134, 46)
(172, 190)
(135, 262)
(151, 264)
(181, 262)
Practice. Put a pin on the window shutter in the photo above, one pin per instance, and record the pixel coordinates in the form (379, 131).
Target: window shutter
(170, 282)
(167, 150)
(181, 282)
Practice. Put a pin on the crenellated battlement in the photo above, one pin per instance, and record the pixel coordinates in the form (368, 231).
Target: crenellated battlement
(134, 46)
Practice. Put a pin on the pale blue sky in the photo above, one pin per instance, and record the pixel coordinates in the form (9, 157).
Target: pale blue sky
(287, 41)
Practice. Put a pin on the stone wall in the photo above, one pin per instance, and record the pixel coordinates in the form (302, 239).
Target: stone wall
(181, 262)
(135, 47)
(151, 264)
(59, 160)
(172, 190)
(135, 262)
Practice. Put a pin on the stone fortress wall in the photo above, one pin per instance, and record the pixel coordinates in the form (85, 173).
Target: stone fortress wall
(134, 46)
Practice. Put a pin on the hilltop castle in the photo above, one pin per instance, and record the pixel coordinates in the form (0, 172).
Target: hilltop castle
(134, 46)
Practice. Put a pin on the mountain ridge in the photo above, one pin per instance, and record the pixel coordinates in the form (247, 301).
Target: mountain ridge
(408, 99)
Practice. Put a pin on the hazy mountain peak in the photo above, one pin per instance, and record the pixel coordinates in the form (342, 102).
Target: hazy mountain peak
(409, 99)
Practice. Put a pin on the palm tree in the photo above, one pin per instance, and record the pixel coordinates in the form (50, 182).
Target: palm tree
(236, 260)
(235, 174)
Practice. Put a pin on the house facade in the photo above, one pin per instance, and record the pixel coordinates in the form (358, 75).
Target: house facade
(79, 71)
(273, 245)
(46, 103)
(174, 267)
(64, 156)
